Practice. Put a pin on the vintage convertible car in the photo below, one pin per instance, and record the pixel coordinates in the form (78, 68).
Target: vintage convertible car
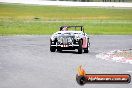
(70, 38)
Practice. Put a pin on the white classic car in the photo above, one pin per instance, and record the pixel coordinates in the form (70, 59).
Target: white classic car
(67, 39)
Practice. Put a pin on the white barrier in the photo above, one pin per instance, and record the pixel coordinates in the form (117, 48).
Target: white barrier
(68, 3)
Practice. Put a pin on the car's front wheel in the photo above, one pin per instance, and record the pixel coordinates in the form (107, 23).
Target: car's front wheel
(80, 47)
(52, 48)
(86, 50)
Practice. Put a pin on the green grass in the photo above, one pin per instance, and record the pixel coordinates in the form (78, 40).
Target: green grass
(31, 19)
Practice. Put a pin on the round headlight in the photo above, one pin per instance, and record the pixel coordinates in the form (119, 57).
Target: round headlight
(77, 38)
(53, 38)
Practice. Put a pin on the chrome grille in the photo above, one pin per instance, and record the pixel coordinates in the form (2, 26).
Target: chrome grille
(65, 39)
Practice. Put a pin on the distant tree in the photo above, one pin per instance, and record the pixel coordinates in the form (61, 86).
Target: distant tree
(82, 0)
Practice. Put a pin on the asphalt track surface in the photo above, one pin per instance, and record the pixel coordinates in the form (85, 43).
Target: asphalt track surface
(26, 62)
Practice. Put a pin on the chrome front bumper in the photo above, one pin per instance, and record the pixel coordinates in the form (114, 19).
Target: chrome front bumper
(64, 45)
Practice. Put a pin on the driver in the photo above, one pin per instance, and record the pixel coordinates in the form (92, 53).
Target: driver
(65, 29)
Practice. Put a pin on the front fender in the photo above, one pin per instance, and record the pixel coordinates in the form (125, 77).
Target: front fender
(85, 42)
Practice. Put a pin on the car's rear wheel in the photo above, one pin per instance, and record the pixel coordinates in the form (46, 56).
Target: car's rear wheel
(80, 47)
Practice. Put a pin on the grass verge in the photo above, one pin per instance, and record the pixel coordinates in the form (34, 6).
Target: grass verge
(31, 19)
